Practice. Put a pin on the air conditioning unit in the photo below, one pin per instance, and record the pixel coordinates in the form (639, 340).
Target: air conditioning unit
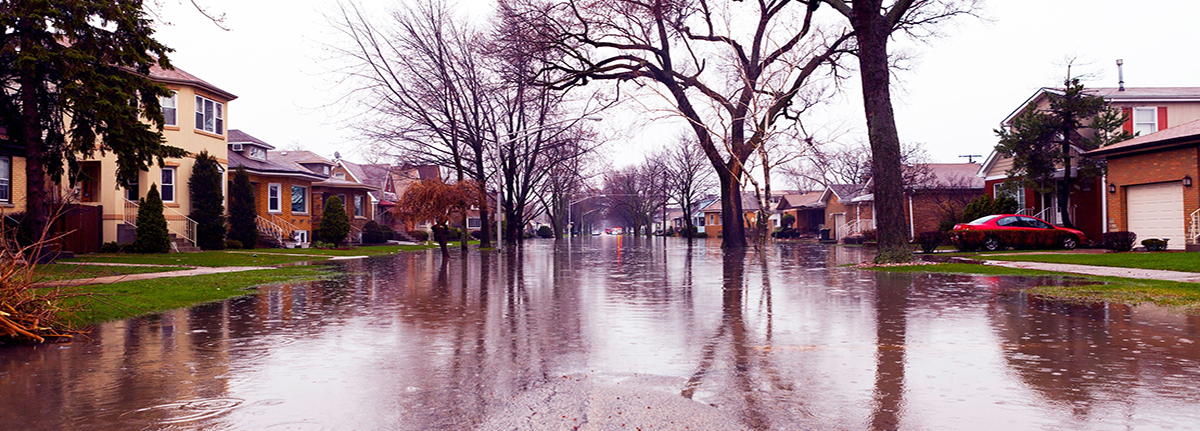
(235, 147)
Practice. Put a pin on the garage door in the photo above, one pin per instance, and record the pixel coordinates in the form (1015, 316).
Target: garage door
(1156, 211)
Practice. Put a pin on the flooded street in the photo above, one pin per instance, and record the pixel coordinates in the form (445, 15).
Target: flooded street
(602, 333)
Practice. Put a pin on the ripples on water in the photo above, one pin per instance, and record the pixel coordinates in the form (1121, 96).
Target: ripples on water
(645, 333)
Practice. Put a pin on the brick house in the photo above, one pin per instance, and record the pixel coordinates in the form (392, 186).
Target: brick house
(354, 195)
(807, 208)
(283, 191)
(1150, 188)
(12, 175)
(1149, 109)
(849, 209)
(946, 188)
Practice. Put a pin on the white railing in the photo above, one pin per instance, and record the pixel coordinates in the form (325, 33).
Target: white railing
(1194, 233)
(854, 227)
(1051, 214)
(1024, 211)
(177, 223)
(276, 227)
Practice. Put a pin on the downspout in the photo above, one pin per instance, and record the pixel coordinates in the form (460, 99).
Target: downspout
(1104, 202)
(912, 228)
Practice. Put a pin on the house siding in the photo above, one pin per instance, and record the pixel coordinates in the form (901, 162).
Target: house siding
(301, 220)
(1158, 167)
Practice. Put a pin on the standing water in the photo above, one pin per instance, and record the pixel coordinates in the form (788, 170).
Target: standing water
(599, 334)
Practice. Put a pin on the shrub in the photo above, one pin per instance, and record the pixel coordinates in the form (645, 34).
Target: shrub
(787, 220)
(1119, 241)
(388, 233)
(243, 218)
(870, 235)
(983, 206)
(151, 235)
(419, 235)
(373, 233)
(335, 224)
(1155, 244)
(110, 247)
(930, 241)
(545, 232)
(233, 244)
(477, 235)
(208, 206)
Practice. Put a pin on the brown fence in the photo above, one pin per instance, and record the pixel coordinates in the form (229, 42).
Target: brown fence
(81, 227)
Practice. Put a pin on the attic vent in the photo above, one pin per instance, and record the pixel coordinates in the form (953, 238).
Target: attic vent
(283, 153)
(235, 147)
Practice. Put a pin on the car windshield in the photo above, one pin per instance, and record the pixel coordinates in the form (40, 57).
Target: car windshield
(983, 219)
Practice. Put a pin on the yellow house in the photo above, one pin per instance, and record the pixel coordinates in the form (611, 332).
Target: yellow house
(197, 114)
(12, 175)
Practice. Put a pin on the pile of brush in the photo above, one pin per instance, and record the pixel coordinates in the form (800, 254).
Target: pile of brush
(29, 313)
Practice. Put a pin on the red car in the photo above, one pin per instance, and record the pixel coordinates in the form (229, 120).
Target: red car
(999, 231)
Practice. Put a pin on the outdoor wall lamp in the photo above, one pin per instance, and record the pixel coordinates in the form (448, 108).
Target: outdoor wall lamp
(1187, 180)
(1112, 188)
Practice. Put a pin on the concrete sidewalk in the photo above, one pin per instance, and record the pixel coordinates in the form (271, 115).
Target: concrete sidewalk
(148, 276)
(1102, 271)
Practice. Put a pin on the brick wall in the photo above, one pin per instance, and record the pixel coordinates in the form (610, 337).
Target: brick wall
(1158, 167)
(302, 221)
(929, 208)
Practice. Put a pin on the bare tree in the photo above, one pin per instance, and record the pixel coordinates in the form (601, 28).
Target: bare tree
(688, 176)
(712, 62)
(426, 96)
(564, 179)
(636, 193)
(874, 24)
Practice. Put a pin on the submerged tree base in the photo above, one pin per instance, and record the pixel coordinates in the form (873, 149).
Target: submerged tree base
(901, 255)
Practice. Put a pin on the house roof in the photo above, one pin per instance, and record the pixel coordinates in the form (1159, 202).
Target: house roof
(810, 200)
(179, 76)
(952, 176)
(1183, 134)
(236, 136)
(344, 184)
(298, 158)
(1114, 94)
(270, 167)
(845, 192)
(749, 203)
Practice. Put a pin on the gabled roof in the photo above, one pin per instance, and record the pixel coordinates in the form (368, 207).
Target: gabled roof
(1114, 94)
(236, 136)
(1181, 135)
(952, 176)
(340, 183)
(179, 76)
(810, 200)
(270, 167)
(845, 192)
(298, 158)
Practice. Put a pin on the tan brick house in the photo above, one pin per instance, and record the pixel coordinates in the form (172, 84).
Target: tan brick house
(283, 190)
(1150, 185)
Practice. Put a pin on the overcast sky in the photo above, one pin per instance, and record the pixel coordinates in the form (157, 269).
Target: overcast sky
(960, 85)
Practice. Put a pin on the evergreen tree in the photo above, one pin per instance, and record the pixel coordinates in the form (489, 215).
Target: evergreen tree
(208, 206)
(243, 218)
(76, 82)
(152, 235)
(1039, 141)
(335, 224)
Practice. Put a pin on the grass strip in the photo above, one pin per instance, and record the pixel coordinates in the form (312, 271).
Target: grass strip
(1179, 295)
(256, 257)
(1171, 261)
(51, 272)
(133, 298)
(369, 250)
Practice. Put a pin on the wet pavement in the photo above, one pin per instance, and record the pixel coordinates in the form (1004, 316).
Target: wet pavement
(636, 334)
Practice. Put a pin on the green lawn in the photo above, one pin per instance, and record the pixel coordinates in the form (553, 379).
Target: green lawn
(256, 257)
(68, 272)
(133, 298)
(1187, 262)
(1185, 296)
(369, 250)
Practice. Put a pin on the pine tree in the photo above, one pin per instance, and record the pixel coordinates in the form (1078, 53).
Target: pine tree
(208, 206)
(243, 217)
(88, 62)
(152, 235)
(335, 224)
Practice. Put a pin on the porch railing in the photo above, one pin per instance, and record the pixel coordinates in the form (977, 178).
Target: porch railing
(854, 227)
(1194, 233)
(177, 223)
(276, 227)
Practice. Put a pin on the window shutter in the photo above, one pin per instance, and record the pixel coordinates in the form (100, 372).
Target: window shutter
(1162, 117)
(1128, 126)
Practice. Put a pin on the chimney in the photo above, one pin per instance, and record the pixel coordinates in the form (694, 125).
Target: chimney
(1120, 75)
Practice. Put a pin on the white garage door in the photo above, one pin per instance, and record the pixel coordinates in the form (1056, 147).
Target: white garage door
(1156, 211)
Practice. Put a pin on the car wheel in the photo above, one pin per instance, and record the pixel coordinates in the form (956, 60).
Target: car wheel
(991, 244)
(1070, 242)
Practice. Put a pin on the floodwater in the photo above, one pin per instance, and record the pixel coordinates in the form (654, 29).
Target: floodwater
(637, 334)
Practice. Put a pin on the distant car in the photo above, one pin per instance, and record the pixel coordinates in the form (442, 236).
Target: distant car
(1000, 231)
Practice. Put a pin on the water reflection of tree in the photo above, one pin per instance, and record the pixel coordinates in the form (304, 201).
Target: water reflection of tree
(891, 326)
(1083, 356)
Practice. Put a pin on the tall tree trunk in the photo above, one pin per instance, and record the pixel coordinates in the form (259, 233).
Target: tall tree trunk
(37, 205)
(734, 230)
(872, 32)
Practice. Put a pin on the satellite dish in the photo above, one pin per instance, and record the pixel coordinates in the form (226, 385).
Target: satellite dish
(337, 155)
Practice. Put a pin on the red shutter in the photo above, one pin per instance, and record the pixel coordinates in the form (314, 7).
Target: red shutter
(1128, 126)
(1162, 117)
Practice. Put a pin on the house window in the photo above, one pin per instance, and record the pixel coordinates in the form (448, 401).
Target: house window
(338, 175)
(210, 115)
(1145, 121)
(257, 153)
(131, 189)
(358, 205)
(6, 179)
(299, 199)
(168, 184)
(473, 223)
(1019, 195)
(170, 113)
(273, 197)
